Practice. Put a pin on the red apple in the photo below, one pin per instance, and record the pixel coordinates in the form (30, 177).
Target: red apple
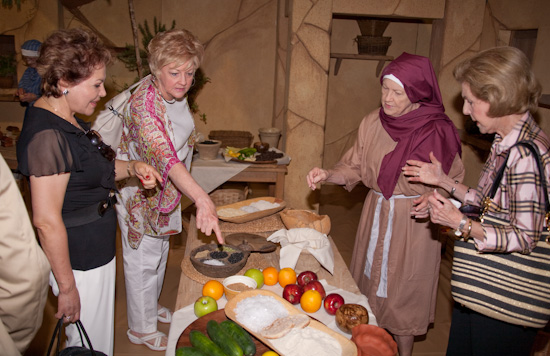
(316, 285)
(292, 293)
(332, 302)
(305, 277)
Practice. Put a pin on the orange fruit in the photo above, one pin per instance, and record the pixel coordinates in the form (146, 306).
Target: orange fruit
(311, 301)
(287, 276)
(271, 276)
(213, 289)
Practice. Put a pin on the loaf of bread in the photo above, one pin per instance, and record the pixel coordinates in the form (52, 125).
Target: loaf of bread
(282, 326)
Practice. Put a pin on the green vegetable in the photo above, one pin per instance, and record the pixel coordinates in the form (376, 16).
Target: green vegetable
(247, 152)
(204, 344)
(240, 335)
(189, 351)
(223, 339)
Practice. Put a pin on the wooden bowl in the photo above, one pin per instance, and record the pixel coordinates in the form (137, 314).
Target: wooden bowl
(304, 218)
(225, 254)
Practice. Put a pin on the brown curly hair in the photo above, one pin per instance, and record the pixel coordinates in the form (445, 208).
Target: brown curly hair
(71, 55)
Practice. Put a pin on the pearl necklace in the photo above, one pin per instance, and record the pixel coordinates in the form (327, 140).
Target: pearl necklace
(168, 101)
(75, 124)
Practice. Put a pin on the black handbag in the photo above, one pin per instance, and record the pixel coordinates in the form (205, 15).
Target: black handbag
(510, 287)
(72, 350)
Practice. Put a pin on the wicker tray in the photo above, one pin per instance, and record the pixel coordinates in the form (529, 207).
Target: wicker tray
(228, 196)
(230, 138)
(251, 216)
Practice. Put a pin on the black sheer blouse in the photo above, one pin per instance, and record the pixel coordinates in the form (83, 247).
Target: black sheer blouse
(49, 145)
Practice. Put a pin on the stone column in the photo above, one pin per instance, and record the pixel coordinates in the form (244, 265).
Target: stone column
(307, 80)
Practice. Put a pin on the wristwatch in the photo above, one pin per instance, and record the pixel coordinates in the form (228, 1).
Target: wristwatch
(458, 231)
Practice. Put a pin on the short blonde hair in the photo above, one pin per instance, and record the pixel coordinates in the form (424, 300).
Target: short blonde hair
(502, 77)
(174, 46)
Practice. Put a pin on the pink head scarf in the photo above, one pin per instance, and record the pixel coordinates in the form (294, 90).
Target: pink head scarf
(421, 131)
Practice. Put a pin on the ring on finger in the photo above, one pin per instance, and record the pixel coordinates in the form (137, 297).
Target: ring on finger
(68, 317)
(418, 174)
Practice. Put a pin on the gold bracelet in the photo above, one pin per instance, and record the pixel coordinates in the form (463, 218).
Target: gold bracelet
(128, 169)
(467, 234)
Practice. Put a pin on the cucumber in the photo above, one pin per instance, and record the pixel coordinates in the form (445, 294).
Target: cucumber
(203, 343)
(189, 351)
(223, 339)
(240, 335)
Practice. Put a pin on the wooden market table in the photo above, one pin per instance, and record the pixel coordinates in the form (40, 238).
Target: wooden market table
(274, 174)
(189, 289)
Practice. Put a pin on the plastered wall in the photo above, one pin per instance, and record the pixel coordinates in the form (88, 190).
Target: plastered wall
(269, 61)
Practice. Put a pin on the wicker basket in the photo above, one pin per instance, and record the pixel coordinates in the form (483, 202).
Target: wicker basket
(232, 138)
(228, 196)
(372, 27)
(373, 45)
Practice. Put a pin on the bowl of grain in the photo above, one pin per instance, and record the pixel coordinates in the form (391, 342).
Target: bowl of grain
(218, 261)
(233, 285)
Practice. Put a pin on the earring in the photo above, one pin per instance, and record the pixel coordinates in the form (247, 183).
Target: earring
(193, 82)
(65, 92)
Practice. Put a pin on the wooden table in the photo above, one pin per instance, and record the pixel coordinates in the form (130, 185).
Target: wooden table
(210, 174)
(274, 174)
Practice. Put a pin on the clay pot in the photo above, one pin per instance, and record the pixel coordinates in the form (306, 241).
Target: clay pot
(350, 315)
(372, 340)
(208, 150)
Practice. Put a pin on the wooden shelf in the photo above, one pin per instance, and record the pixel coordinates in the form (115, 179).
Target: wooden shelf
(365, 57)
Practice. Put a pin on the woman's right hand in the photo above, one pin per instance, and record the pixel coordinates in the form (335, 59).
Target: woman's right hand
(68, 305)
(207, 218)
(316, 175)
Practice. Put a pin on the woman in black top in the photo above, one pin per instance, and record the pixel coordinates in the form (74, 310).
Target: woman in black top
(72, 175)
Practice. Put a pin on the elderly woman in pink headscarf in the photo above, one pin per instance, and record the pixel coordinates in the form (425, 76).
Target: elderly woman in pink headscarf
(396, 256)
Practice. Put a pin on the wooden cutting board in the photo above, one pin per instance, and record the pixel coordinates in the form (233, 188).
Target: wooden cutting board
(200, 324)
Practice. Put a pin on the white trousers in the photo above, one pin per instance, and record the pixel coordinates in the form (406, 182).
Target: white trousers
(96, 288)
(144, 270)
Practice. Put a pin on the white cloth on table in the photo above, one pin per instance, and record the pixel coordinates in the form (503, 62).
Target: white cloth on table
(293, 241)
(210, 174)
(182, 318)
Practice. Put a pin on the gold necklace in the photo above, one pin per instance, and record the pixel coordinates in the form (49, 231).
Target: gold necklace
(75, 124)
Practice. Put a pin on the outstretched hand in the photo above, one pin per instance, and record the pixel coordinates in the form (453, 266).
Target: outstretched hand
(316, 175)
(424, 172)
(207, 218)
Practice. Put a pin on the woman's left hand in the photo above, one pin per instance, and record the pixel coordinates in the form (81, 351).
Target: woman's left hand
(147, 174)
(443, 212)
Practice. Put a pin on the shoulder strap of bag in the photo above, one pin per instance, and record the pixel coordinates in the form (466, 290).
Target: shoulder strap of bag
(536, 155)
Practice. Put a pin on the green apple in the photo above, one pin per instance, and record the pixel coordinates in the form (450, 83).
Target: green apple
(205, 305)
(256, 275)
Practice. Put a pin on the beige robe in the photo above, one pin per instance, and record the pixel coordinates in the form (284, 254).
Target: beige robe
(24, 270)
(414, 245)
